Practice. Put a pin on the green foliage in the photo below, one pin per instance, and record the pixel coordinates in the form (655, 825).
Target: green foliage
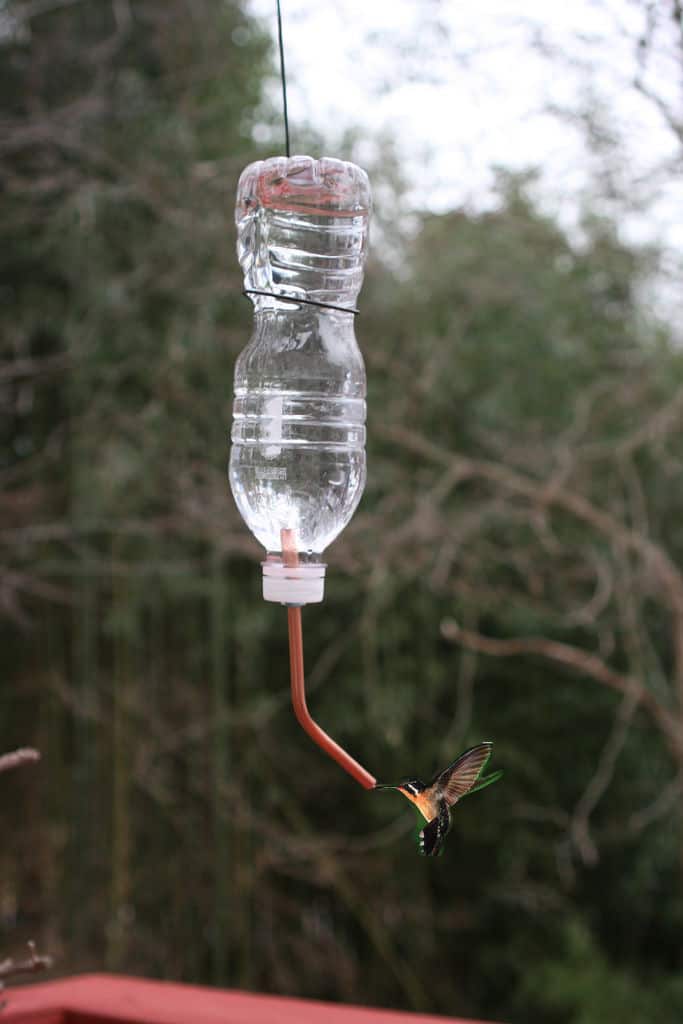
(584, 988)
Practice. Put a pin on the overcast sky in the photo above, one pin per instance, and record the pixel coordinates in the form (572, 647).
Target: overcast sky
(460, 87)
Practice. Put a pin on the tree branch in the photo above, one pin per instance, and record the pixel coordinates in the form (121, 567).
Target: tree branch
(551, 493)
(10, 968)
(583, 662)
(24, 755)
(579, 826)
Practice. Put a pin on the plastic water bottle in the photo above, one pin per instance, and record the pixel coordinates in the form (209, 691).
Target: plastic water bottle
(298, 440)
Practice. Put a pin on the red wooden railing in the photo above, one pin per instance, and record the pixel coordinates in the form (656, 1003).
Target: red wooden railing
(107, 999)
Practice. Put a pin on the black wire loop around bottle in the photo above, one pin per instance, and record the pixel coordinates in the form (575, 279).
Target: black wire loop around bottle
(306, 302)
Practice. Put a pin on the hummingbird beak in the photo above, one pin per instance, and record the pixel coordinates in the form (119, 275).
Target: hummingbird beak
(380, 786)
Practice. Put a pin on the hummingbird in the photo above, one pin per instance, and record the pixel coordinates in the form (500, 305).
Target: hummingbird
(434, 801)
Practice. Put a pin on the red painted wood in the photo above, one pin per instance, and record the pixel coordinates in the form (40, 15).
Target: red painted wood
(107, 999)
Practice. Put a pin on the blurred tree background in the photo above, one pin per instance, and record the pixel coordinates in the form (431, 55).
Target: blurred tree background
(512, 573)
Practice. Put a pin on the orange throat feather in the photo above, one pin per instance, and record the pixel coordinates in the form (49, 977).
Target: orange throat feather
(424, 803)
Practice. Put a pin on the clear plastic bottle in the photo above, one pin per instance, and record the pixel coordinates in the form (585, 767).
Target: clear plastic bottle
(298, 440)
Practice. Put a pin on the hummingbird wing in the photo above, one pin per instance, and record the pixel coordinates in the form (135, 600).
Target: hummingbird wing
(433, 834)
(461, 776)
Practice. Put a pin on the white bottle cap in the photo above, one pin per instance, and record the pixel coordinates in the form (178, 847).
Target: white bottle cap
(293, 584)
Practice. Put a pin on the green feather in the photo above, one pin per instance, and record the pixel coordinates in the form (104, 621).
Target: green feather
(482, 783)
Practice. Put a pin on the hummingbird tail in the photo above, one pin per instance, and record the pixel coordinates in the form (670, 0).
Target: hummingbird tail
(483, 783)
(431, 838)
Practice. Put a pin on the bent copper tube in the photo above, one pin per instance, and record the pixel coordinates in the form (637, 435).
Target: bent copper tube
(296, 661)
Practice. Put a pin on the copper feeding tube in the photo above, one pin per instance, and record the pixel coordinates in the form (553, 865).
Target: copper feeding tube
(290, 557)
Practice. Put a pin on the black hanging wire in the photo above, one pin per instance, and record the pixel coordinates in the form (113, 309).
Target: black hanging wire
(283, 75)
(299, 301)
(278, 295)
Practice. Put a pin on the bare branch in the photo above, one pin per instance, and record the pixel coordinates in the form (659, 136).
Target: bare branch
(579, 827)
(24, 755)
(552, 493)
(33, 367)
(582, 661)
(10, 968)
(659, 808)
(674, 124)
(657, 427)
